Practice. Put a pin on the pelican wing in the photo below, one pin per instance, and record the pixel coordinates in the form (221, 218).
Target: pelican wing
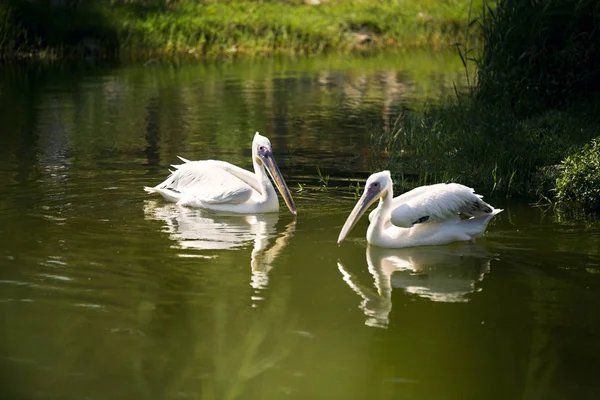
(435, 203)
(209, 181)
(403, 198)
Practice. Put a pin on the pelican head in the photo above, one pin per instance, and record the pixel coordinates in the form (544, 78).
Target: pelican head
(377, 187)
(261, 152)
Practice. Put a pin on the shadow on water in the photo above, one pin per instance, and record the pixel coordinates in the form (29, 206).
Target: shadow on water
(219, 355)
(203, 234)
(316, 111)
(440, 274)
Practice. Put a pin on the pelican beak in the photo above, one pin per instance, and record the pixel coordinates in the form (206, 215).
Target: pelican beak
(369, 197)
(267, 158)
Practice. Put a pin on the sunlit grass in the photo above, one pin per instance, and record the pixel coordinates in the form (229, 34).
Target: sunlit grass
(246, 27)
(204, 29)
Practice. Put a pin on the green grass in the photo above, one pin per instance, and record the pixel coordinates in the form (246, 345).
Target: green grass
(248, 27)
(483, 145)
(201, 29)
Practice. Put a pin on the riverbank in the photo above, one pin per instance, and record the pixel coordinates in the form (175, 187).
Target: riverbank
(486, 145)
(207, 29)
(521, 128)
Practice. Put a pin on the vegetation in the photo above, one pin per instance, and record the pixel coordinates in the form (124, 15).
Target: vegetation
(540, 55)
(483, 144)
(43, 29)
(251, 27)
(579, 177)
(188, 28)
(529, 107)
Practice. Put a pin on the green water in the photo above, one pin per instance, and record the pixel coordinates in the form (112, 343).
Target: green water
(108, 293)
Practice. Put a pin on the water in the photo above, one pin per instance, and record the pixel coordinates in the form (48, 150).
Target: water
(106, 292)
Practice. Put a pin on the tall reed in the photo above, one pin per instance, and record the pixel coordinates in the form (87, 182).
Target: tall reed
(539, 54)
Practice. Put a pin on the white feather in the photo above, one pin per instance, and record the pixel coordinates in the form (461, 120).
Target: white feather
(207, 181)
(437, 203)
(427, 215)
(222, 186)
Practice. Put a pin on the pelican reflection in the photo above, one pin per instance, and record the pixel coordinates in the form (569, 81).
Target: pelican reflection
(202, 231)
(441, 274)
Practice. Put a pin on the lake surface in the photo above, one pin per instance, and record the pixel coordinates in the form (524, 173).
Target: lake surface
(108, 293)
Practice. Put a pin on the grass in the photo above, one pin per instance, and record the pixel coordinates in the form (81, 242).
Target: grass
(205, 29)
(483, 145)
(323, 179)
(249, 27)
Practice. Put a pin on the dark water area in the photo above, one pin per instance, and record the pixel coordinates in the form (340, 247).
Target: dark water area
(107, 292)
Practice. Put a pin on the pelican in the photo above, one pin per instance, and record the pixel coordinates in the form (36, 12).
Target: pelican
(425, 216)
(221, 186)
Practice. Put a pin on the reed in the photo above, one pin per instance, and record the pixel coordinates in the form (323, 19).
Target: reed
(539, 55)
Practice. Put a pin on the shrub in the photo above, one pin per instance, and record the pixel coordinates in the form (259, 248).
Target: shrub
(579, 178)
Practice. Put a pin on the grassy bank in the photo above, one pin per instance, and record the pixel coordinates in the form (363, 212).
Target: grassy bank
(533, 103)
(485, 145)
(248, 27)
(188, 28)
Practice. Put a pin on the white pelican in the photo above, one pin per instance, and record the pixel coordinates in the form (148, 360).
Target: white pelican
(221, 186)
(427, 215)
